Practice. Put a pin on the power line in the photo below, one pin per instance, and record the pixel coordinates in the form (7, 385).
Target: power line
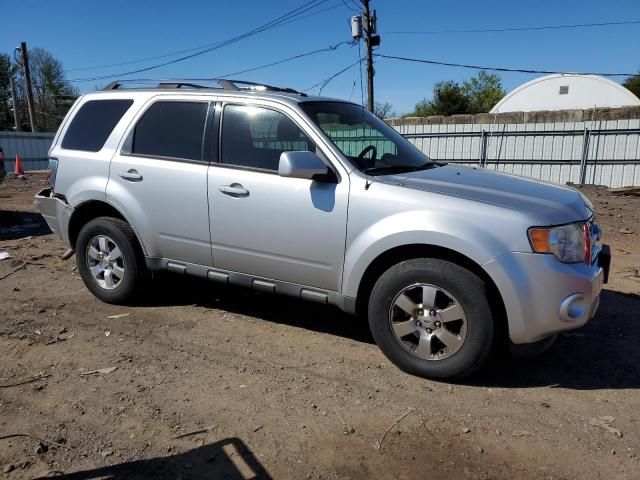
(322, 84)
(49, 114)
(360, 71)
(330, 48)
(267, 26)
(353, 87)
(295, 57)
(40, 112)
(514, 29)
(194, 49)
(272, 24)
(501, 69)
(344, 2)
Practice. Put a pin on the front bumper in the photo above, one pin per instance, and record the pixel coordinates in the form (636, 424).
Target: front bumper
(56, 212)
(544, 296)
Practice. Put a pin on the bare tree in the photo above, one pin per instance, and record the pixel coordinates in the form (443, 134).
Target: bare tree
(7, 69)
(383, 110)
(53, 95)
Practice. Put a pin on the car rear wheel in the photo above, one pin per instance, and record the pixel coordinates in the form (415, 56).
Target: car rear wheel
(432, 318)
(109, 260)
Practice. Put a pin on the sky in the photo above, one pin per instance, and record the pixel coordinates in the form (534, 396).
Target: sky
(86, 34)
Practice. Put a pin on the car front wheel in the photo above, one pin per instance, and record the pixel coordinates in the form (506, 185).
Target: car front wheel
(432, 318)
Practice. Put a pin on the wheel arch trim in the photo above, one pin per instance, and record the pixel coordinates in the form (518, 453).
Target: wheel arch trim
(362, 284)
(94, 208)
(359, 258)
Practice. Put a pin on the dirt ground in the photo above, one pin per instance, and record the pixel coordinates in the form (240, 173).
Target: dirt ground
(279, 388)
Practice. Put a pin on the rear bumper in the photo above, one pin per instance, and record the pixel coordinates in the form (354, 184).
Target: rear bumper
(544, 296)
(56, 212)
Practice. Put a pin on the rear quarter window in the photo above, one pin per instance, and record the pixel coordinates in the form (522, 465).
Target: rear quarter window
(94, 122)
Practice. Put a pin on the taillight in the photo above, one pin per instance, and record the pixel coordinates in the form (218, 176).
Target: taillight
(51, 174)
(586, 235)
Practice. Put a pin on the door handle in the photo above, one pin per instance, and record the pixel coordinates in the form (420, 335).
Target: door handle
(131, 175)
(234, 190)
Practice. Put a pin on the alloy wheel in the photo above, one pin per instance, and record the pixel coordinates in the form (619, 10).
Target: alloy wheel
(428, 321)
(105, 262)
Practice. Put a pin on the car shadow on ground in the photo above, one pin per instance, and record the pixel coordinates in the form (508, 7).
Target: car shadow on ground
(15, 225)
(169, 290)
(604, 354)
(229, 459)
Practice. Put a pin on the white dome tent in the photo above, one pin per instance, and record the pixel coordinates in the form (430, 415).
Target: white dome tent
(566, 91)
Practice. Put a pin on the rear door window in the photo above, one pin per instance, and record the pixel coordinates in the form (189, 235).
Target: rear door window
(93, 124)
(171, 129)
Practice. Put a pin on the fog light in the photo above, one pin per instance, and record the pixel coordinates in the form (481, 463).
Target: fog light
(573, 307)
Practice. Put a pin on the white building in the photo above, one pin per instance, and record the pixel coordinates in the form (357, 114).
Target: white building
(562, 92)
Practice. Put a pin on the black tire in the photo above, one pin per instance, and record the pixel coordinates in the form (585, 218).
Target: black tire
(470, 292)
(123, 236)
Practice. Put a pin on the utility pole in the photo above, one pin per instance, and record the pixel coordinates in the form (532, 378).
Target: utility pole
(14, 100)
(27, 79)
(371, 40)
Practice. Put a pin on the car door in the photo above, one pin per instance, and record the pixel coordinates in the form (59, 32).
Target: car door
(264, 225)
(159, 179)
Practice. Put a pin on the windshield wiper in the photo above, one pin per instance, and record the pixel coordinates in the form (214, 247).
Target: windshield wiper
(391, 169)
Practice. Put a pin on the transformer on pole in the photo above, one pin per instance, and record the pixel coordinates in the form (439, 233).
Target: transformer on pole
(356, 27)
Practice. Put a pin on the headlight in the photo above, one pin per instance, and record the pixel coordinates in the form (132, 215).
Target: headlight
(568, 243)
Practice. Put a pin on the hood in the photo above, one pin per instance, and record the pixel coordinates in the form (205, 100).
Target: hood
(551, 204)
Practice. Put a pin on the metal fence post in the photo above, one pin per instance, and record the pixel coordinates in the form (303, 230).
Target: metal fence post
(483, 149)
(550, 151)
(585, 155)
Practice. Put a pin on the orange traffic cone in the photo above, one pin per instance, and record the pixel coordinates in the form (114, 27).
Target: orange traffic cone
(18, 170)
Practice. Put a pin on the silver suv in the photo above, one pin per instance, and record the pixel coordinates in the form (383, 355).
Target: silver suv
(316, 198)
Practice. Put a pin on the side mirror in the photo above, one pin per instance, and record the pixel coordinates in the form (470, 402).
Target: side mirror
(304, 165)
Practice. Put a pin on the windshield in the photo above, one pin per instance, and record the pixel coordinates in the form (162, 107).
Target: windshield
(371, 145)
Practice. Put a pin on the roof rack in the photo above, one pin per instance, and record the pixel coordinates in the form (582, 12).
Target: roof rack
(202, 83)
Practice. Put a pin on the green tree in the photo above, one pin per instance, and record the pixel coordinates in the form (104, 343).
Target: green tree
(633, 84)
(477, 95)
(448, 99)
(483, 92)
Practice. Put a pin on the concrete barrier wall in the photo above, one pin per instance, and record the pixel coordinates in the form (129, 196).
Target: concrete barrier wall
(32, 148)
